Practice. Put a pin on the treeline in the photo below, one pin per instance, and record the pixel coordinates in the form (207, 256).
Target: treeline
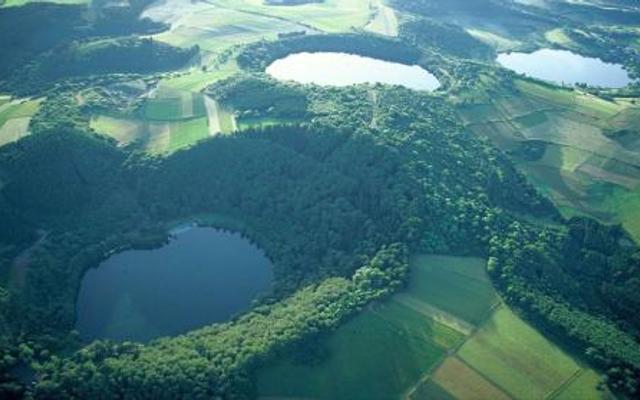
(34, 33)
(257, 56)
(517, 19)
(609, 44)
(217, 361)
(105, 56)
(260, 95)
(430, 35)
(580, 284)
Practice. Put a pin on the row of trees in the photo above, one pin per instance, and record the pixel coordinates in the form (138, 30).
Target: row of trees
(257, 56)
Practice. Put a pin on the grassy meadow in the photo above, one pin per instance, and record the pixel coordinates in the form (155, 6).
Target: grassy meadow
(15, 116)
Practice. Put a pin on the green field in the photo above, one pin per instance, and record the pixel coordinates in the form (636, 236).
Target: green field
(122, 129)
(382, 353)
(462, 382)
(517, 358)
(171, 120)
(186, 133)
(583, 170)
(155, 137)
(15, 117)
(403, 349)
(196, 79)
(172, 105)
(457, 285)
(582, 387)
(500, 43)
(379, 354)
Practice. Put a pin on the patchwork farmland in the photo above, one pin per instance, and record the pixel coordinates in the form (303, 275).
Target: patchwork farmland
(447, 336)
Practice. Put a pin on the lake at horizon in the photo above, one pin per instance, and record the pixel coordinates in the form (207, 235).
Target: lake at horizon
(566, 67)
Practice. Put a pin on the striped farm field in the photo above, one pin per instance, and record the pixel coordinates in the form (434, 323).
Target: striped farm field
(462, 382)
(517, 358)
(172, 105)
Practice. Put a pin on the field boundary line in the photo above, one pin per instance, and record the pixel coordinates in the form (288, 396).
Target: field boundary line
(485, 377)
(453, 352)
(427, 375)
(562, 386)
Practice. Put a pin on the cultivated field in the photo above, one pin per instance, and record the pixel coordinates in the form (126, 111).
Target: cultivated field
(15, 116)
(457, 285)
(384, 20)
(587, 167)
(216, 26)
(418, 345)
(154, 136)
(173, 105)
(516, 358)
(462, 382)
(377, 355)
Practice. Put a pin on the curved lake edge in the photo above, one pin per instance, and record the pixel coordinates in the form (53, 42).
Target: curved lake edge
(155, 239)
(412, 75)
(598, 74)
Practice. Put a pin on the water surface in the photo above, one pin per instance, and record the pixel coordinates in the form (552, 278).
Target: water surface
(342, 69)
(202, 276)
(565, 67)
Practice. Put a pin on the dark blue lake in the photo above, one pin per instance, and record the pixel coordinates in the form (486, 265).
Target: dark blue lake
(202, 276)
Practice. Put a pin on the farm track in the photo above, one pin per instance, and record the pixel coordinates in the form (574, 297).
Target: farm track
(435, 313)
(486, 378)
(556, 392)
(213, 119)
